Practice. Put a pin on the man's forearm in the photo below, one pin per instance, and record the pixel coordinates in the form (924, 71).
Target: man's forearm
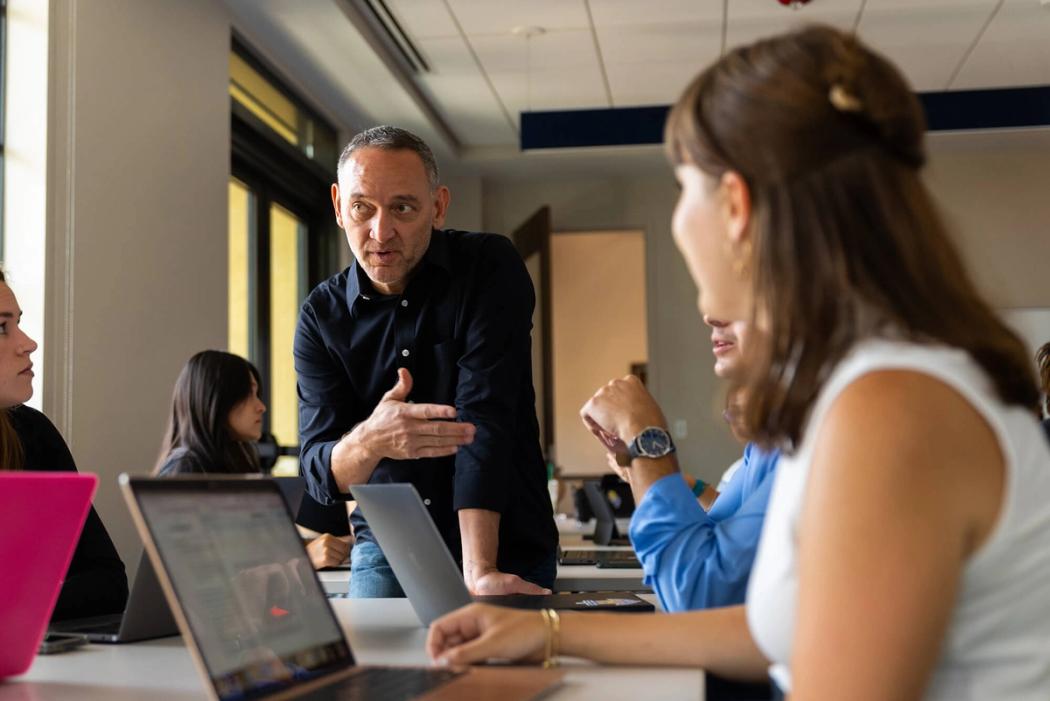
(479, 529)
(352, 462)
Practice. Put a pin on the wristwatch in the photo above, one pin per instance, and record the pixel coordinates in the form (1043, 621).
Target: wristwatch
(652, 442)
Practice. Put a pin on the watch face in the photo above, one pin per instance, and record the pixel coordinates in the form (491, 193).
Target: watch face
(654, 442)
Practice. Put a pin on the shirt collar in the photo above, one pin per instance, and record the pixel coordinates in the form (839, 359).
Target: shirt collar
(359, 287)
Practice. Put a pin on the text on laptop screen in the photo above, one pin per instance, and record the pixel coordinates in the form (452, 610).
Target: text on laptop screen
(245, 585)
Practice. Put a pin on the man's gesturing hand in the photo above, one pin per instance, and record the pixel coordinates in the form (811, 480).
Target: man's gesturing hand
(400, 430)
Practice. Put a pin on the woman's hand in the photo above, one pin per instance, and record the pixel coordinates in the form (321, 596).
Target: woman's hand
(622, 471)
(619, 411)
(479, 632)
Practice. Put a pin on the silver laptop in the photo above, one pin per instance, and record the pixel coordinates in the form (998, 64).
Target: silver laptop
(146, 615)
(252, 611)
(427, 572)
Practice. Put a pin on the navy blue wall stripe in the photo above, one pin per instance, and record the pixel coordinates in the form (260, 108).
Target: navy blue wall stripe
(999, 108)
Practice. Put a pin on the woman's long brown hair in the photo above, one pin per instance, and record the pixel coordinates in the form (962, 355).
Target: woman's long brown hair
(12, 455)
(847, 242)
(210, 385)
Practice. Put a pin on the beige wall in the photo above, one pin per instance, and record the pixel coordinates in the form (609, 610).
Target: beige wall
(680, 360)
(139, 150)
(995, 189)
(464, 210)
(598, 317)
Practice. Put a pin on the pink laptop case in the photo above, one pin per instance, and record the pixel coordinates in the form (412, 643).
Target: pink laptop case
(41, 516)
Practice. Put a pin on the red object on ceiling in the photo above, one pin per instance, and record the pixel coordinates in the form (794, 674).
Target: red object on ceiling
(788, 3)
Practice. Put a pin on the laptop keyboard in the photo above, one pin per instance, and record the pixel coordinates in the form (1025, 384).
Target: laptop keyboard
(592, 557)
(392, 683)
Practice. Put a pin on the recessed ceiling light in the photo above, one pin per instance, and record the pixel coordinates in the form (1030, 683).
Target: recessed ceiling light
(527, 31)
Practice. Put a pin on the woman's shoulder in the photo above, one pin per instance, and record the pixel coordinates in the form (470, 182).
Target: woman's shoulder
(33, 426)
(953, 367)
(26, 418)
(182, 461)
(44, 447)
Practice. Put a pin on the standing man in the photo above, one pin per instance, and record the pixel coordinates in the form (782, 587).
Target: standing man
(414, 365)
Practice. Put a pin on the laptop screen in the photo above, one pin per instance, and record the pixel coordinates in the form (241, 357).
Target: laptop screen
(260, 619)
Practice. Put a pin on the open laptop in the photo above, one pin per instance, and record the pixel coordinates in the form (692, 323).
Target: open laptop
(427, 572)
(605, 533)
(605, 530)
(250, 607)
(146, 616)
(36, 553)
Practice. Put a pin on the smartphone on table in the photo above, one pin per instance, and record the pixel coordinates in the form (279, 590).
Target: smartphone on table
(60, 642)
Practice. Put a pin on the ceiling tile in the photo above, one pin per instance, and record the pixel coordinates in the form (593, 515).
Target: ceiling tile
(461, 94)
(640, 84)
(576, 87)
(494, 17)
(618, 13)
(750, 20)
(1014, 51)
(693, 43)
(472, 112)
(508, 53)
(423, 19)
(820, 11)
(448, 55)
(926, 42)
(930, 5)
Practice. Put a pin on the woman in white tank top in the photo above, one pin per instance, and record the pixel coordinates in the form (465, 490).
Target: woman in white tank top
(906, 551)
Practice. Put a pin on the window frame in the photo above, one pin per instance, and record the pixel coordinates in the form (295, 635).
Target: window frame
(257, 155)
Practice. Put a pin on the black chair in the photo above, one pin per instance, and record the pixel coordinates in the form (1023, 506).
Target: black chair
(323, 518)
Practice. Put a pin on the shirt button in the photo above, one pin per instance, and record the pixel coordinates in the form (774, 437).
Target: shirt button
(404, 353)
(404, 303)
(427, 502)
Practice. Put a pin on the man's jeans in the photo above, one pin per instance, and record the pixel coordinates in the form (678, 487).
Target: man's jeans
(372, 578)
(370, 574)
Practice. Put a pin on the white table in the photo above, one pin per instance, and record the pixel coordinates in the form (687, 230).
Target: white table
(381, 631)
(569, 578)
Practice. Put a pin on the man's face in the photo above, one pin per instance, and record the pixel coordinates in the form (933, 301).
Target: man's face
(384, 203)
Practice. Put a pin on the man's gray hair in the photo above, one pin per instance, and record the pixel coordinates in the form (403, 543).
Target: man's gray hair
(391, 138)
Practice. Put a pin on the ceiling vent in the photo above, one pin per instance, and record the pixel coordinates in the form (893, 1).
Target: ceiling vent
(395, 34)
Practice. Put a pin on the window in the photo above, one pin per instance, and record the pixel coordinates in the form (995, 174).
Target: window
(282, 235)
(279, 111)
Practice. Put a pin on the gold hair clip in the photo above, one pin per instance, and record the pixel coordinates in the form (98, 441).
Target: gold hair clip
(842, 100)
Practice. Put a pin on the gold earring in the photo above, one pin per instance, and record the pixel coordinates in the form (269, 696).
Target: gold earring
(740, 262)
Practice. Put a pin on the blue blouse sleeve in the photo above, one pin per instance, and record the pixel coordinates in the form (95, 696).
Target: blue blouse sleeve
(694, 559)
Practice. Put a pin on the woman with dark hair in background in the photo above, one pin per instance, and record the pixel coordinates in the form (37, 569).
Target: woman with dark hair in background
(96, 583)
(216, 417)
(906, 549)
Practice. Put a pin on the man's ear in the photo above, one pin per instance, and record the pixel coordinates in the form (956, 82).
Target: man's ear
(335, 205)
(736, 201)
(441, 199)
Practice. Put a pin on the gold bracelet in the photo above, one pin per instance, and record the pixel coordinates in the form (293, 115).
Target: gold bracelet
(547, 641)
(553, 624)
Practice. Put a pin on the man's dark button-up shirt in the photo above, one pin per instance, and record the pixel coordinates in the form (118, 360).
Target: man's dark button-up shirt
(462, 328)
